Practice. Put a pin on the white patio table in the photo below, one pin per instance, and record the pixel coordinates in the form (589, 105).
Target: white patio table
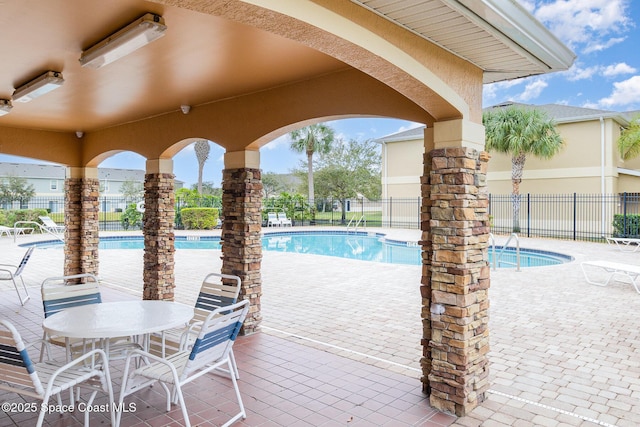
(118, 319)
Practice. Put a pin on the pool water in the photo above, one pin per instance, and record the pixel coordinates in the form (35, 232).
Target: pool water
(354, 245)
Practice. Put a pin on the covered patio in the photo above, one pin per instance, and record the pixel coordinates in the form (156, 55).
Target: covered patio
(241, 73)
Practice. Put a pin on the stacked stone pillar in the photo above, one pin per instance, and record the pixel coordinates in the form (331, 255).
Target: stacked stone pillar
(159, 237)
(241, 236)
(455, 280)
(81, 223)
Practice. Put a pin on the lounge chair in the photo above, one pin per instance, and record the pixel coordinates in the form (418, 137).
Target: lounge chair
(12, 272)
(10, 231)
(272, 220)
(50, 225)
(212, 350)
(625, 244)
(43, 380)
(613, 269)
(284, 220)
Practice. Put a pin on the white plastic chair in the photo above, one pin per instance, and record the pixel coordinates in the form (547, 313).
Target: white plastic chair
(59, 293)
(12, 272)
(210, 351)
(284, 220)
(18, 374)
(272, 220)
(217, 290)
(50, 225)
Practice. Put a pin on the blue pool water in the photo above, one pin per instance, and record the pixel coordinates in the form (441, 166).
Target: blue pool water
(359, 245)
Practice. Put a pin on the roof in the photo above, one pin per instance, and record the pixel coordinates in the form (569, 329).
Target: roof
(405, 135)
(43, 171)
(500, 37)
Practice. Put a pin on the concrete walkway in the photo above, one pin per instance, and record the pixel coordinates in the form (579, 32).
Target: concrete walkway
(564, 353)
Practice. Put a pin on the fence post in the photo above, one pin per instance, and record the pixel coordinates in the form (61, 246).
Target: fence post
(575, 214)
(624, 214)
(390, 211)
(528, 214)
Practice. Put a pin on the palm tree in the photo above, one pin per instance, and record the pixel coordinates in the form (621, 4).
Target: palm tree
(520, 132)
(629, 141)
(202, 153)
(312, 139)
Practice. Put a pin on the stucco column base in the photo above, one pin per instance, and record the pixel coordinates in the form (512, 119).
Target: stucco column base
(241, 237)
(458, 310)
(81, 235)
(159, 238)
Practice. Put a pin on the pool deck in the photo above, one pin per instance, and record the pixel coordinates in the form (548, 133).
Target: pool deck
(563, 352)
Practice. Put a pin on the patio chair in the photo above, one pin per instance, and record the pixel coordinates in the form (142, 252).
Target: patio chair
(612, 269)
(284, 220)
(211, 351)
(59, 293)
(10, 231)
(13, 272)
(272, 220)
(50, 225)
(18, 374)
(217, 290)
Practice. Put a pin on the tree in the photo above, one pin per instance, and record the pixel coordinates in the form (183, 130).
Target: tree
(629, 141)
(202, 153)
(132, 190)
(520, 132)
(13, 188)
(350, 169)
(317, 138)
(275, 183)
(208, 189)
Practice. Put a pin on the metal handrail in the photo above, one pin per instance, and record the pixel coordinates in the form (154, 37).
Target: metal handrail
(361, 219)
(496, 260)
(40, 226)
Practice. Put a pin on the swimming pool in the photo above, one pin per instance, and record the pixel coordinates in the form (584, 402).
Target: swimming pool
(353, 245)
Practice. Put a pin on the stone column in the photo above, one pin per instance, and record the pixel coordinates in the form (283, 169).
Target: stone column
(81, 209)
(458, 271)
(159, 239)
(241, 229)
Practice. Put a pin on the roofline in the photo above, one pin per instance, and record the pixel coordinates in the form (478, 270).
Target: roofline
(514, 25)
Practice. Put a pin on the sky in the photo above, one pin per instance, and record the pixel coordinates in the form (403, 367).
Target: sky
(604, 35)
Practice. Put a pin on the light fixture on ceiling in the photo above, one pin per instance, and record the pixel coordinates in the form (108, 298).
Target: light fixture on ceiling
(79, 134)
(185, 109)
(125, 41)
(42, 84)
(5, 106)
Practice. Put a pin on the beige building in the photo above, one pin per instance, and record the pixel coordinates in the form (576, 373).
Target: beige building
(589, 163)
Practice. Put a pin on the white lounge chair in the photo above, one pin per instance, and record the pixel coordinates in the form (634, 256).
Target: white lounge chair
(284, 220)
(13, 272)
(50, 225)
(272, 220)
(625, 244)
(10, 231)
(613, 269)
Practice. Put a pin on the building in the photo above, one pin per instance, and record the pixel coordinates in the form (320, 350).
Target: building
(48, 183)
(589, 163)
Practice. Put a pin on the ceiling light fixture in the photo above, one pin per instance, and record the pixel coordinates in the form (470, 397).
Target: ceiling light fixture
(185, 109)
(39, 86)
(127, 40)
(5, 106)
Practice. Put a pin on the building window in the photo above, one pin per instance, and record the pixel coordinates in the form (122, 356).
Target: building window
(53, 185)
(104, 186)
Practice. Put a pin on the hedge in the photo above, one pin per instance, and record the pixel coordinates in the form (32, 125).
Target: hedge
(626, 225)
(199, 218)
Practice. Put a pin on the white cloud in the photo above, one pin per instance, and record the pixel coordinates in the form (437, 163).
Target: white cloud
(576, 72)
(624, 93)
(617, 69)
(533, 89)
(589, 24)
(278, 142)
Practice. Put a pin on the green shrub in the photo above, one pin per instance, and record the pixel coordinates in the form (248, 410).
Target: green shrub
(11, 217)
(199, 218)
(629, 227)
(131, 217)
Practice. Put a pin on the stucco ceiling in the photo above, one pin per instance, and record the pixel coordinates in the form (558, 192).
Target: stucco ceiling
(204, 58)
(200, 59)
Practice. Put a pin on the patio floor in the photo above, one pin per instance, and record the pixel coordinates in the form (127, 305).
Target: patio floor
(340, 341)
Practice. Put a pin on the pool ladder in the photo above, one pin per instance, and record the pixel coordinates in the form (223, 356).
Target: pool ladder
(362, 219)
(496, 260)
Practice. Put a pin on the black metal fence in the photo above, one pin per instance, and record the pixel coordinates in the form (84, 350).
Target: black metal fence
(565, 216)
(568, 216)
